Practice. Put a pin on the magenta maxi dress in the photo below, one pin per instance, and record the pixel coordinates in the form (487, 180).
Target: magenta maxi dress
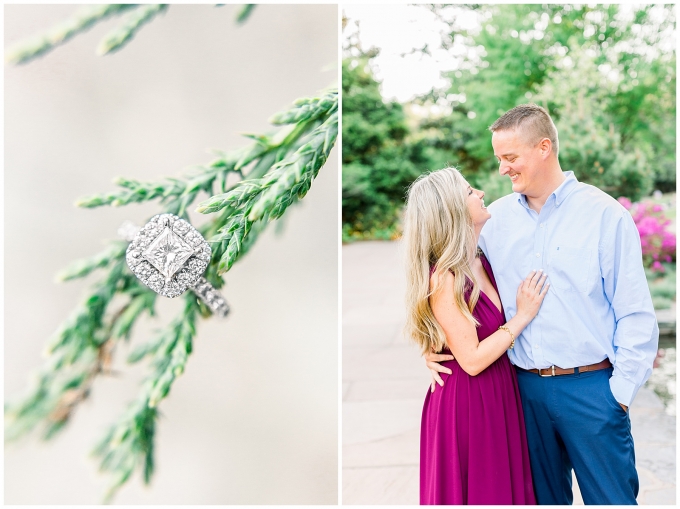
(473, 446)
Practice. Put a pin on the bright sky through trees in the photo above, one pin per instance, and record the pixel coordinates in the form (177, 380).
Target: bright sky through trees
(397, 30)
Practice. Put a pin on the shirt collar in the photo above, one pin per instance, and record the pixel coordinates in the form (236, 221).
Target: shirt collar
(560, 193)
(565, 188)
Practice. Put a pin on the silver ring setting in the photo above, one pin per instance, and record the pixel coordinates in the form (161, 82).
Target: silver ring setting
(169, 256)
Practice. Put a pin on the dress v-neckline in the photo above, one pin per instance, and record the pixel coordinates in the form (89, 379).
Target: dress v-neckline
(492, 281)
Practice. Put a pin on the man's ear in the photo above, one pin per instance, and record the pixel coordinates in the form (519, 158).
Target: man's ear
(545, 146)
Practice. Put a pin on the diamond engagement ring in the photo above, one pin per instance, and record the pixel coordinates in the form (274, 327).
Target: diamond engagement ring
(169, 256)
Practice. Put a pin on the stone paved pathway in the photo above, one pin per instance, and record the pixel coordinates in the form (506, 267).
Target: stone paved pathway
(385, 381)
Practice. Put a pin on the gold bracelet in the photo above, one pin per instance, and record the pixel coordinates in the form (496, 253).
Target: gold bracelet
(507, 329)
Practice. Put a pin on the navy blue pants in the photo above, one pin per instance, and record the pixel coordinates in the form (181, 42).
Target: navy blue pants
(573, 421)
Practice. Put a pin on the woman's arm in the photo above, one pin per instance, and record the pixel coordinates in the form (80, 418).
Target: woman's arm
(461, 335)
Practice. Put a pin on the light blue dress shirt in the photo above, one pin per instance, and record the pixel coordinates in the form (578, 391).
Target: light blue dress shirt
(598, 304)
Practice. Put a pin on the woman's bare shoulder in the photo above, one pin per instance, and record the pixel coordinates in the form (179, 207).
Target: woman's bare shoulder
(442, 296)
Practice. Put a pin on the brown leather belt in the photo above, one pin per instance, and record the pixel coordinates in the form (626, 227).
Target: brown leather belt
(555, 370)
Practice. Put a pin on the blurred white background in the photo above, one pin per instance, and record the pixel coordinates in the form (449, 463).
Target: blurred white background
(253, 420)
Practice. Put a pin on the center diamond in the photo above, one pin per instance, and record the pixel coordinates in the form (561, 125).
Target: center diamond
(168, 252)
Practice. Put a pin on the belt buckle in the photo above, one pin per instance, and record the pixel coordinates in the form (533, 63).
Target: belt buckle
(549, 374)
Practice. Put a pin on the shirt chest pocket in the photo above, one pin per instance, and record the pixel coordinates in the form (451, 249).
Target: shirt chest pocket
(569, 268)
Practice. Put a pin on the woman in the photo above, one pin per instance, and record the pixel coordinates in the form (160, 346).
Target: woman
(473, 443)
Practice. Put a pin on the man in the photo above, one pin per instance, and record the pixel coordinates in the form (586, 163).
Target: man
(582, 360)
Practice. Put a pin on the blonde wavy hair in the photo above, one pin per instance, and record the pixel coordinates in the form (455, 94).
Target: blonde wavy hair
(438, 233)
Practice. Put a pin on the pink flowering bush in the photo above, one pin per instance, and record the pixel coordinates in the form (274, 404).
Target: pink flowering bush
(656, 237)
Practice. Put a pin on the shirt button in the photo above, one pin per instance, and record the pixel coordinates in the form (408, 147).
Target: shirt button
(538, 255)
(542, 225)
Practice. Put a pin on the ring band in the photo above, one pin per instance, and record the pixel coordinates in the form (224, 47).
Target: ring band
(169, 256)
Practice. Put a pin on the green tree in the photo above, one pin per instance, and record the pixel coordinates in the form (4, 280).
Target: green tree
(587, 145)
(521, 50)
(378, 163)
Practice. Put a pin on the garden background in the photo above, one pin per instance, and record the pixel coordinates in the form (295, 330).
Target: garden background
(421, 84)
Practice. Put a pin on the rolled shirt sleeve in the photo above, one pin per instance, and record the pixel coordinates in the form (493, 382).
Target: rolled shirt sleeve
(636, 337)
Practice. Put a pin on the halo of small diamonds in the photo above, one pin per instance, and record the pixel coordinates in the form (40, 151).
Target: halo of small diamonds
(168, 255)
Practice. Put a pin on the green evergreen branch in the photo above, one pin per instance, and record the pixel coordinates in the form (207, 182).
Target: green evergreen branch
(307, 109)
(50, 399)
(81, 21)
(126, 445)
(142, 300)
(79, 351)
(177, 193)
(132, 24)
(278, 169)
(82, 268)
(294, 176)
(268, 198)
(85, 18)
(245, 12)
(81, 329)
(129, 443)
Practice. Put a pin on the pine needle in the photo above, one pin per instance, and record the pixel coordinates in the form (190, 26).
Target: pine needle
(81, 21)
(132, 23)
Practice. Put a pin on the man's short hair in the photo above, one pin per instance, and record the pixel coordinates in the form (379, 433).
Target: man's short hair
(532, 121)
